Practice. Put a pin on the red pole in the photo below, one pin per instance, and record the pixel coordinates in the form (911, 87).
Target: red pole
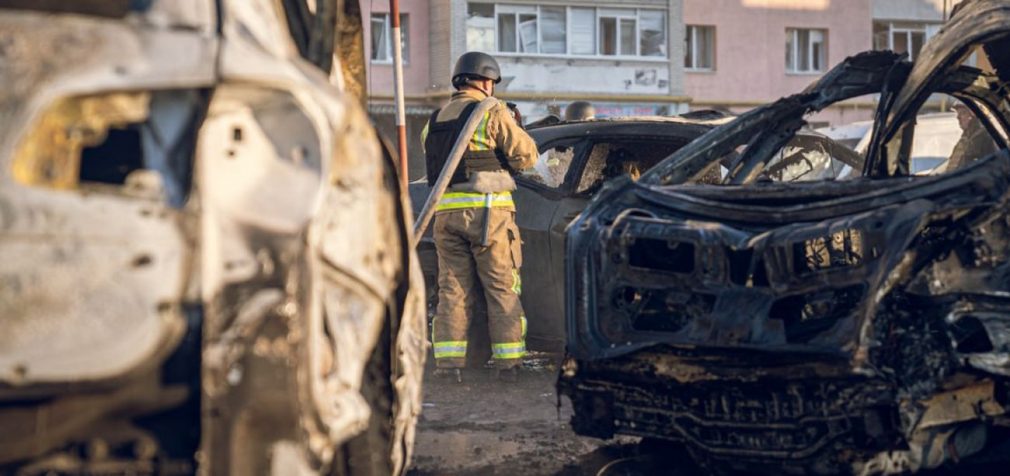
(401, 118)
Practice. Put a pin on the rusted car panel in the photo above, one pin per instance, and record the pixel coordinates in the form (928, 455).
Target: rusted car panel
(852, 326)
(204, 244)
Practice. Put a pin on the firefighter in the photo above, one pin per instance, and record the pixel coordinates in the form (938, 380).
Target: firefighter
(580, 111)
(475, 232)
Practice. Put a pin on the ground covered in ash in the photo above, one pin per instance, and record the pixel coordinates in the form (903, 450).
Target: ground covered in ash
(488, 427)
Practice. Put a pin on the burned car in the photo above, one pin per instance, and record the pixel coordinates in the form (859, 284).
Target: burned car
(576, 160)
(856, 325)
(204, 251)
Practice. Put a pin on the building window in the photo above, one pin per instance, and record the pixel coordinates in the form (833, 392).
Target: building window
(480, 30)
(903, 37)
(699, 51)
(382, 32)
(618, 29)
(805, 50)
(583, 38)
(566, 31)
(652, 33)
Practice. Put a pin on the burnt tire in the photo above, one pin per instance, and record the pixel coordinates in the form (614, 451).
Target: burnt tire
(368, 453)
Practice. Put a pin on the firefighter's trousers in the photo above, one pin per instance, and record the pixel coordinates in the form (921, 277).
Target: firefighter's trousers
(465, 267)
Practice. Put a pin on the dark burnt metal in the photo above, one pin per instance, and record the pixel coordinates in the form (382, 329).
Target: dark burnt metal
(829, 327)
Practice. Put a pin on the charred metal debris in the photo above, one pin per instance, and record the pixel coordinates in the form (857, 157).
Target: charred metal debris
(856, 326)
(206, 260)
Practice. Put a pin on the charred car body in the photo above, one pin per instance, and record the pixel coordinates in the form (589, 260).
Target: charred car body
(205, 259)
(825, 327)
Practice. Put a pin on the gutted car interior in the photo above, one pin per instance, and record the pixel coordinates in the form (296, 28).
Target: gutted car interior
(848, 322)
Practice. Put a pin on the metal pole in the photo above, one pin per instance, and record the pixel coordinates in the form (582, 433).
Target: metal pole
(401, 117)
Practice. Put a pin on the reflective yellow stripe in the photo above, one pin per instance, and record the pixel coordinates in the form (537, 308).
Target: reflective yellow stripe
(517, 282)
(460, 200)
(510, 350)
(424, 135)
(480, 140)
(455, 348)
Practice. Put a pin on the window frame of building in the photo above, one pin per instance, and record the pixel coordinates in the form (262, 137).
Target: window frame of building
(387, 32)
(574, 36)
(792, 51)
(691, 49)
(906, 28)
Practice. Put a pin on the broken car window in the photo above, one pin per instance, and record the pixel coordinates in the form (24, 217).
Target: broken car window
(608, 160)
(140, 142)
(811, 156)
(553, 164)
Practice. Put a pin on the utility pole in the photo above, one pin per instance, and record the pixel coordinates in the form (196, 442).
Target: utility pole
(401, 117)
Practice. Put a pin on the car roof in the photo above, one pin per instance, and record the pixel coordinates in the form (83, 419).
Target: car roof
(635, 126)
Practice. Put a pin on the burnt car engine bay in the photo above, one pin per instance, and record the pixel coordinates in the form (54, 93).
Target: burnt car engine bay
(854, 326)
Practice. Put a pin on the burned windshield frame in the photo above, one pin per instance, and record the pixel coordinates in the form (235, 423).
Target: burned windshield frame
(867, 73)
(859, 75)
(975, 27)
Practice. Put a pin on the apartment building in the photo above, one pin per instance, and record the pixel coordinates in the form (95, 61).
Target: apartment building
(743, 53)
(623, 55)
(637, 57)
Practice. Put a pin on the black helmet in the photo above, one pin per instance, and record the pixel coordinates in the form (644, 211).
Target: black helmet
(475, 65)
(579, 111)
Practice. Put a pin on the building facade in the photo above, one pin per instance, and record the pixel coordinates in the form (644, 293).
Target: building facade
(744, 53)
(622, 55)
(637, 57)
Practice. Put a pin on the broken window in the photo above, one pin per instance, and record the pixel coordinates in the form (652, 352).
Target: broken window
(699, 51)
(553, 164)
(612, 159)
(382, 38)
(810, 156)
(517, 29)
(806, 50)
(480, 29)
(652, 31)
(558, 30)
(138, 143)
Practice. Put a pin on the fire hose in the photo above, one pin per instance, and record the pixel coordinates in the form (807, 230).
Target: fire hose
(455, 156)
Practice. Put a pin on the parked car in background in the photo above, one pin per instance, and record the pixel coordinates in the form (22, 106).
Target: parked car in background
(576, 160)
(848, 325)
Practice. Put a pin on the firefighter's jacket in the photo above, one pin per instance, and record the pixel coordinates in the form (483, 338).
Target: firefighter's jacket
(498, 148)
